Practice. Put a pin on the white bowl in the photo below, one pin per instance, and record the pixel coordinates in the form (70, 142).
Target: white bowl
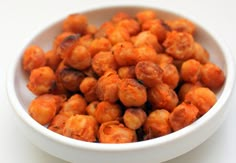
(155, 150)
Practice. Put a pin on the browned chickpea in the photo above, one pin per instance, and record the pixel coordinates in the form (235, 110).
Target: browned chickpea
(145, 53)
(131, 93)
(203, 98)
(157, 124)
(76, 104)
(163, 58)
(88, 88)
(212, 76)
(85, 40)
(200, 54)
(181, 25)
(79, 58)
(115, 132)
(170, 75)
(124, 53)
(190, 71)
(117, 17)
(148, 73)
(76, 23)
(157, 27)
(91, 29)
(145, 15)
(81, 127)
(126, 72)
(99, 44)
(42, 80)
(185, 88)
(107, 87)
(106, 111)
(33, 57)
(60, 37)
(118, 34)
(105, 29)
(52, 60)
(44, 107)
(134, 118)
(91, 108)
(147, 38)
(183, 115)
(131, 25)
(179, 45)
(162, 97)
(103, 61)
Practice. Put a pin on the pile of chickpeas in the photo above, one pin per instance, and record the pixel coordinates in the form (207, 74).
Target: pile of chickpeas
(133, 78)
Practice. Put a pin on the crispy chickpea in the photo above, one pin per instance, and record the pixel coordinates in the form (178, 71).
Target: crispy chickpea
(131, 93)
(190, 71)
(52, 60)
(75, 23)
(162, 97)
(44, 107)
(99, 44)
(148, 73)
(131, 25)
(126, 72)
(212, 76)
(203, 98)
(200, 54)
(124, 53)
(145, 53)
(147, 38)
(185, 88)
(181, 25)
(115, 132)
(179, 45)
(170, 75)
(163, 58)
(88, 88)
(134, 118)
(76, 104)
(42, 80)
(33, 57)
(85, 40)
(117, 17)
(79, 58)
(81, 127)
(107, 87)
(157, 124)
(103, 61)
(105, 29)
(157, 27)
(118, 34)
(91, 108)
(145, 15)
(183, 115)
(60, 37)
(106, 111)
(91, 29)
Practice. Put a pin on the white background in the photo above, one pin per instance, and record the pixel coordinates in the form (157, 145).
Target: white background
(20, 18)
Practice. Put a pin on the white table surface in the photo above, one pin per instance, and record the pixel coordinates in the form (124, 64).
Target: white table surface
(20, 18)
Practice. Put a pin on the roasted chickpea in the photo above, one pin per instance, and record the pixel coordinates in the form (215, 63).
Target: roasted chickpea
(145, 15)
(148, 73)
(190, 71)
(117, 17)
(105, 29)
(88, 88)
(60, 38)
(52, 60)
(126, 72)
(131, 25)
(185, 88)
(42, 80)
(179, 45)
(162, 97)
(91, 29)
(115, 132)
(91, 108)
(203, 98)
(134, 118)
(118, 34)
(131, 93)
(212, 76)
(81, 127)
(44, 107)
(170, 75)
(99, 44)
(75, 23)
(33, 57)
(163, 58)
(157, 124)
(200, 54)
(183, 115)
(85, 40)
(145, 53)
(181, 25)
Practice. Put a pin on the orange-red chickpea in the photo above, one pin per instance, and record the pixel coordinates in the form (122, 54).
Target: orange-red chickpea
(104, 29)
(60, 38)
(185, 88)
(126, 72)
(52, 59)
(145, 15)
(118, 34)
(85, 40)
(117, 17)
(190, 71)
(131, 25)
(91, 108)
(163, 58)
(145, 53)
(181, 25)
(91, 29)
(200, 54)
(88, 88)
(99, 44)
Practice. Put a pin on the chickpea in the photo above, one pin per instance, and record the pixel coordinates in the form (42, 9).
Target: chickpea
(181, 25)
(170, 75)
(145, 53)
(163, 58)
(99, 44)
(33, 57)
(183, 115)
(75, 23)
(126, 72)
(76, 104)
(118, 34)
(190, 71)
(107, 87)
(157, 124)
(131, 25)
(148, 73)
(185, 88)
(179, 45)
(115, 132)
(162, 97)
(119, 16)
(131, 93)
(134, 118)
(44, 107)
(81, 127)
(88, 88)
(42, 80)
(79, 58)
(106, 111)
(105, 29)
(52, 60)
(212, 76)
(91, 108)
(60, 38)
(200, 54)
(102, 62)
(203, 98)
(145, 15)
(91, 29)
(86, 41)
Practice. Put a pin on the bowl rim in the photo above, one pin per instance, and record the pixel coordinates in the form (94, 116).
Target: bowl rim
(24, 116)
